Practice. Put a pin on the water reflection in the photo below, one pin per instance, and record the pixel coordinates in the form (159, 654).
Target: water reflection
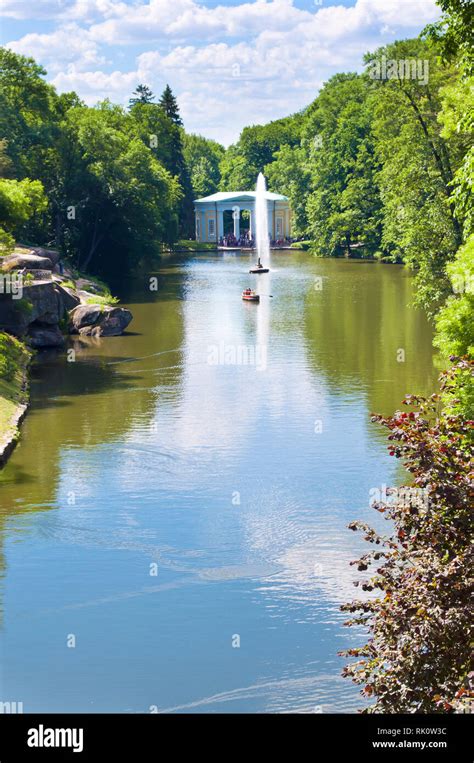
(238, 480)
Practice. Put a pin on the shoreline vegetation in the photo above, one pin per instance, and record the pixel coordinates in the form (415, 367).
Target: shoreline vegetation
(14, 392)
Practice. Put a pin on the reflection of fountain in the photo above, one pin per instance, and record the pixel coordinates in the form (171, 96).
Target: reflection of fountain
(261, 221)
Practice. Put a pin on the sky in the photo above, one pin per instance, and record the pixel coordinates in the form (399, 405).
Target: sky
(230, 64)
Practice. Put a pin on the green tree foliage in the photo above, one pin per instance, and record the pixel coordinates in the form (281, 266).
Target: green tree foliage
(344, 207)
(455, 320)
(202, 157)
(255, 150)
(288, 174)
(125, 200)
(20, 201)
(157, 131)
(457, 120)
(418, 163)
(6, 164)
(455, 32)
(30, 124)
(142, 94)
(27, 109)
(418, 615)
(114, 180)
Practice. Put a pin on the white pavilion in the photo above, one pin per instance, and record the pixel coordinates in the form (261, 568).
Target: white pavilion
(220, 214)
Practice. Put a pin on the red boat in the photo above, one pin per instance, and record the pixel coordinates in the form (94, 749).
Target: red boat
(250, 296)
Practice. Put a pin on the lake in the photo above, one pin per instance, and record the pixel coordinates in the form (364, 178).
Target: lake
(174, 519)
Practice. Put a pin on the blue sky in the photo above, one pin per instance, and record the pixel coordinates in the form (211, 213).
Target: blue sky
(229, 63)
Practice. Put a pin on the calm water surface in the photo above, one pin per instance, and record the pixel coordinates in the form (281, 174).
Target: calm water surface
(236, 481)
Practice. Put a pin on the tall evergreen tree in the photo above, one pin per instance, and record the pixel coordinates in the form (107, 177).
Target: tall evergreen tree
(176, 162)
(169, 104)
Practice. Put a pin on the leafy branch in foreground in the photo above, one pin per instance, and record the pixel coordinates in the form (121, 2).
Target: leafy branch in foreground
(417, 657)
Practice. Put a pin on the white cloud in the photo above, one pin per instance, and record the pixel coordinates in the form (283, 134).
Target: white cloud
(68, 45)
(228, 65)
(19, 9)
(61, 9)
(93, 86)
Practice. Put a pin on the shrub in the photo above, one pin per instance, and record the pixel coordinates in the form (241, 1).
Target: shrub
(12, 354)
(417, 657)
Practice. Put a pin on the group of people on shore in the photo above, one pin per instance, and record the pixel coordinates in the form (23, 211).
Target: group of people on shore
(230, 240)
(246, 241)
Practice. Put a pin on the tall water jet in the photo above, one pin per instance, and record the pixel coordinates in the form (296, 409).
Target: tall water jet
(261, 221)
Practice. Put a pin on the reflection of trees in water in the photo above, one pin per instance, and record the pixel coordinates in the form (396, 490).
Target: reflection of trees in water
(356, 324)
(110, 387)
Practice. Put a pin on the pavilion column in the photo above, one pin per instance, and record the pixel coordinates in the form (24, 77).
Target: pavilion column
(236, 218)
(250, 223)
(220, 224)
(199, 221)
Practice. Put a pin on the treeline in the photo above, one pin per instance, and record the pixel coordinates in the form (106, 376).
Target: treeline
(107, 185)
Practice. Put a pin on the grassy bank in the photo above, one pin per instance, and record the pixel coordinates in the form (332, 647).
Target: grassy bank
(14, 358)
(192, 246)
(301, 245)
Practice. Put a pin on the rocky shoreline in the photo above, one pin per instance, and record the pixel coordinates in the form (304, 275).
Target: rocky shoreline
(46, 300)
(43, 301)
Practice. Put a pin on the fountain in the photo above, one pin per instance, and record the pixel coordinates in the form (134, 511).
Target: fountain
(261, 226)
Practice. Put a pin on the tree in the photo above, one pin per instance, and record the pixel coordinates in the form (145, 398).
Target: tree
(455, 320)
(236, 172)
(457, 120)
(202, 157)
(344, 207)
(31, 122)
(169, 104)
(454, 32)
(125, 199)
(255, 150)
(417, 657)
(157, 131)
(289, 174)
(6, 164)
(20, 200)
(142, 94)
(176, 163)
(417, 167)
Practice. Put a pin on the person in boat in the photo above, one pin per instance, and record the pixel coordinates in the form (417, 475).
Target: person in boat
(259, 264)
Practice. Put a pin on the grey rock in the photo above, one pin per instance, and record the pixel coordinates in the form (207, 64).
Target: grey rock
(40, 302)
(44, 336)
(84, 315)
(28, 261)
(96, 320)
(69, 297)
(83, 284)
(51, 254)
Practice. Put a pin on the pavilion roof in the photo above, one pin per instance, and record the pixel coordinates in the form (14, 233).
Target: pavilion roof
(239, 196)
